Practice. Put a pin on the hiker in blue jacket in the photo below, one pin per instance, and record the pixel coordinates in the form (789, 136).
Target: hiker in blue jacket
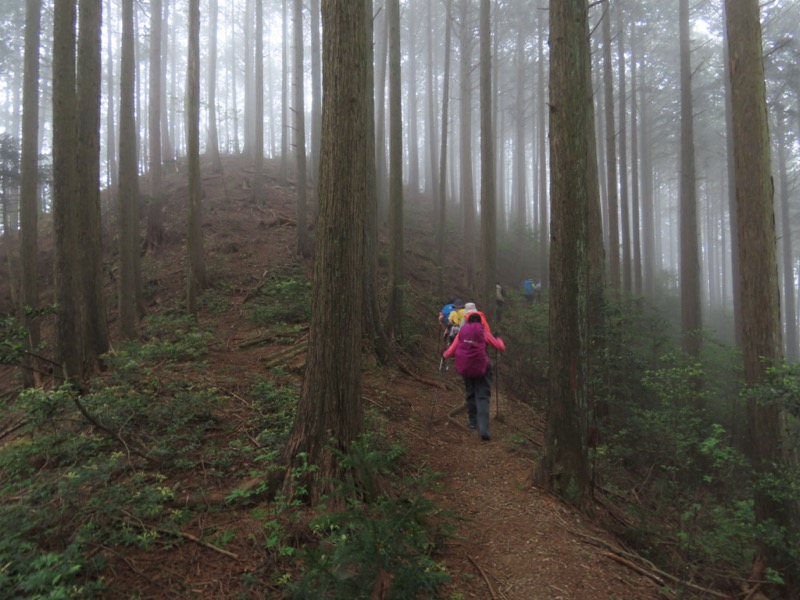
(472, 363)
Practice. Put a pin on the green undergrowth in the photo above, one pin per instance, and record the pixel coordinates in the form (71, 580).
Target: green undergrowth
(90, 477)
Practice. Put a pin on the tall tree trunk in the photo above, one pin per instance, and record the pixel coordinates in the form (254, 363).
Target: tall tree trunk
(431, 176)
(373, 328)
(211, 80)
(520, 162)
(285, 130)
(736, 284)
(303, 244)
(442, 192)
(29, 188)
(330, 411)
(488, 200)
(544, 221)
(155, 220)
(625, 226)
(648, 212)
(614, 279)
(465, 143)
(564, 466)
(69, 316)
(128, 183)
(258, 112)
(381, 173)
(411, 108)
(394, 311)
(167, 148)
(234, 97)
(196, 279)
(690, 252)
(635, 207)
(111, 123)
(759, 281)
(88, 144)
(316, 89)
(784, 191)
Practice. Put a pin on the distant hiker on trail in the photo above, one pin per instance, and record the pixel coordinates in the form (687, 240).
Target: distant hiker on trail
(500, 300)
(527, 289)
(472, 363)
(451, 325)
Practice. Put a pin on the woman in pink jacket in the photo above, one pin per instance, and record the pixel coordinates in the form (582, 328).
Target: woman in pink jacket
(472, 363)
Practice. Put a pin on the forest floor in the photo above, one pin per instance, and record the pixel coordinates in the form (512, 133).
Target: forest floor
(512, 540)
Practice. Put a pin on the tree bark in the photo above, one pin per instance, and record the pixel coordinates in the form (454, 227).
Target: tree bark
(258, 112)
(211, 80)
(612, 192)
(128, 183)
(759, 277)
(488, 189)
(155, 212)
(465, 142)
(29, 187)
(196, 280)
(563, 468)
(330, 413)
(88, 96)
(442, 191)
(303, 243)
(689, 245)
(394, 311)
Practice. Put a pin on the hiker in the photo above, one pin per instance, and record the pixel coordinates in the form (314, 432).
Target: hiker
(527, 289)
(456, 318)
(451, 326)
(500, 299)
(470, 308)
(472, 363)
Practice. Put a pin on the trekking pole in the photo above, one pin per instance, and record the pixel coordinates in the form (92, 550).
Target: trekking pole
(497, 383)
(436, 393)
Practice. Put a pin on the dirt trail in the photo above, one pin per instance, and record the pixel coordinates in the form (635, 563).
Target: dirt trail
(515, 542)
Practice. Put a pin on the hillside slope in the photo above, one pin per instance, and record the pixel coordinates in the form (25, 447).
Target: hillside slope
(511, 540)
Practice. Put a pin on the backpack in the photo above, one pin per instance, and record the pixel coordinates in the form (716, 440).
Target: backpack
(448, 308)
(471, 358)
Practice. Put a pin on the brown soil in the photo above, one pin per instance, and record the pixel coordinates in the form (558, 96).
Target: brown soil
(514, 542)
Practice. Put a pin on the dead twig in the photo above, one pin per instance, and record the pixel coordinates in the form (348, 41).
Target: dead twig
(197, 540)
(485, 578)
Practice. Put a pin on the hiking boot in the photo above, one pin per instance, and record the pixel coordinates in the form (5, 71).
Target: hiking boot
(471, 424)
(486, 438)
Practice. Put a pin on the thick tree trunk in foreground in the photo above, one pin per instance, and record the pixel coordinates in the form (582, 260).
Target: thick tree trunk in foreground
(563, 468)
(330, 409)
(759, 277)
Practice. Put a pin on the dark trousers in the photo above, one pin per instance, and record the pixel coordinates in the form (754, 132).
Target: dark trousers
(478, 394)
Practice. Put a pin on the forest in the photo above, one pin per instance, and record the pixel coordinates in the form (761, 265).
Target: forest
(229, 228)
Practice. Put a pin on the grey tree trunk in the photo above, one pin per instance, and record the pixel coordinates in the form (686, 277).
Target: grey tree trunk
(29, 187)
(316, 89)
(258, 112)
(467, 184)
(396, 276)
(411, 108)
(488, 200)
(155, 220)
(196, 277)
(211, 80)
(689, 245)
(614, 278)
(441, 197)
(625, 225)
(789, 304)
(544, 237)
(373, 327)
(635, 206)
(285, 130)
(111, 123)
(303, 243)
